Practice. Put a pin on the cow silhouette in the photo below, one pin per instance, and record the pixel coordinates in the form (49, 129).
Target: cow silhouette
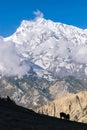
(64, 116)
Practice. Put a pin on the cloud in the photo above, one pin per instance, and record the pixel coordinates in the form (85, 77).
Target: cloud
(10, 61)
(79, 54)
(38, 14)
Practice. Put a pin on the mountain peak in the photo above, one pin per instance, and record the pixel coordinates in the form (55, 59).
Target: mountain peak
(54, 46)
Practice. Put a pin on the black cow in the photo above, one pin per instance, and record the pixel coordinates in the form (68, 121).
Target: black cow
(64, 116)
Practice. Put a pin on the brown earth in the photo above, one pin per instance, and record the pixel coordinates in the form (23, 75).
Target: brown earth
(73, 104)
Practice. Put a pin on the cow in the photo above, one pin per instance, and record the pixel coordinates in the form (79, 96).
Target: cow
(64, 116)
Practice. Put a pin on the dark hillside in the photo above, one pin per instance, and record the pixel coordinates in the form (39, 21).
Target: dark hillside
(13, 117)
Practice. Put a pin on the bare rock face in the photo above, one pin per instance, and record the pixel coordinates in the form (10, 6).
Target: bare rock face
(73, 104)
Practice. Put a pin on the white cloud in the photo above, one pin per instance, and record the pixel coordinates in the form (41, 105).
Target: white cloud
(38, 14)
(10, 63)
(80, 54)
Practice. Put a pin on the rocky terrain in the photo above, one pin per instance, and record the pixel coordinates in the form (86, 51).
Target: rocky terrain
(13, 117)
(33, 92)
(73, 104)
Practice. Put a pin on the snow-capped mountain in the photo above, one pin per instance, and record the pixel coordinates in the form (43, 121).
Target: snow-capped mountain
(58, 48)
(37, 59)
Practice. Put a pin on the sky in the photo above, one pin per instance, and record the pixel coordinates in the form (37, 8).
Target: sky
(12, 12)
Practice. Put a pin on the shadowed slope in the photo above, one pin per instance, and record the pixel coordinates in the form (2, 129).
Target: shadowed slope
(13, 117)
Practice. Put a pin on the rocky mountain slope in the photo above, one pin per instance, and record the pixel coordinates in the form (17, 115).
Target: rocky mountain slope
(73, 104)
(33, 92)
(13, 117)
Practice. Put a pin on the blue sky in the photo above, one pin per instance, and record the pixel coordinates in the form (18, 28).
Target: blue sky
(12, 12)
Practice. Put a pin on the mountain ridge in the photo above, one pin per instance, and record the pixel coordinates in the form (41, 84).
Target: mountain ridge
(56, 47)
